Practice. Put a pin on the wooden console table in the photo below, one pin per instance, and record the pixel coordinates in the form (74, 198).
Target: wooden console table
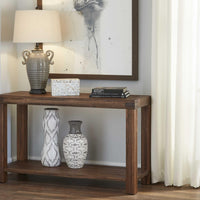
(130, 174)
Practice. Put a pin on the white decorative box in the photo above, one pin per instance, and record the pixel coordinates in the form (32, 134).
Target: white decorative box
(65, 87)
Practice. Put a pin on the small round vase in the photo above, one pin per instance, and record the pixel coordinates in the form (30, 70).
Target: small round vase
(50, 152)
(75, 146)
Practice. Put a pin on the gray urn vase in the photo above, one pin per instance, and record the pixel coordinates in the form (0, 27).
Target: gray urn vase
(37, 65)
(50, 156)
(75, 146)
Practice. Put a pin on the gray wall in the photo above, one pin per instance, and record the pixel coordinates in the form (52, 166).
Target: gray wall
(104, 128)
(8, 62)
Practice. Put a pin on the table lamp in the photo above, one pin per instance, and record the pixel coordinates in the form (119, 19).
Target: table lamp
(37, 26)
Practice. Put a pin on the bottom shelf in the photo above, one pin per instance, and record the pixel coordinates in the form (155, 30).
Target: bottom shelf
(87, 172)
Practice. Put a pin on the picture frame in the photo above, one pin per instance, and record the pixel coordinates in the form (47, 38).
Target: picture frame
(133, 76)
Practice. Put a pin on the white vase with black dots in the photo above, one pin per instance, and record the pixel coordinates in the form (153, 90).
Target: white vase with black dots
(75, 146)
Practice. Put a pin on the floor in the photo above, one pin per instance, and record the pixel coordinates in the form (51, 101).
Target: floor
(22, 187)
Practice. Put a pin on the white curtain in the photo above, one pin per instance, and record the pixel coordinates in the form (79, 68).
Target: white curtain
(176, 92)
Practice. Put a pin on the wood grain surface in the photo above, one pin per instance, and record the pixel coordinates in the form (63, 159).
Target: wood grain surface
(48, 188)
(146, 143)
(131, 151)
(23, 97)
(130, 174)
(88, 171)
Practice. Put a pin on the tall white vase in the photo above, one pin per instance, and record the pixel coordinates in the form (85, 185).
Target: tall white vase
(50, 152)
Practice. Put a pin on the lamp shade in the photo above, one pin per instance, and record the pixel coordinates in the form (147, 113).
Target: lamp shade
(37, 26)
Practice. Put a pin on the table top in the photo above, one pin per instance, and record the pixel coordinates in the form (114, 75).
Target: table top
(23, 97)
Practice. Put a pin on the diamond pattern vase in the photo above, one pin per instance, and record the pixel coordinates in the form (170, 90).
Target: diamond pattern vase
(50, 152)
(75, 146)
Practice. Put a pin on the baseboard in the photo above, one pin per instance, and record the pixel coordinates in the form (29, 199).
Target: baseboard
(92, 162)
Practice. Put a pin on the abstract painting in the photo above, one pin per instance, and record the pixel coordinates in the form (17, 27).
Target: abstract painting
(99, 38)
(91, 10)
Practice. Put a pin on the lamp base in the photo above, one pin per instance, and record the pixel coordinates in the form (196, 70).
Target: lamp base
(37, 91)
(37, 64)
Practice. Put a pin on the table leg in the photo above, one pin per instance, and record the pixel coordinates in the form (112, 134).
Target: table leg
(146, 143)
(3, 142)
(22, 132)
(131, 151)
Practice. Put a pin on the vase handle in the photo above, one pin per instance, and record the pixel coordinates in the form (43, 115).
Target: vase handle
(50, 54)
(25, 55)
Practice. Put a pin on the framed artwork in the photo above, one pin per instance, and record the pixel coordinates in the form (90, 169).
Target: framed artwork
(100, 38)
